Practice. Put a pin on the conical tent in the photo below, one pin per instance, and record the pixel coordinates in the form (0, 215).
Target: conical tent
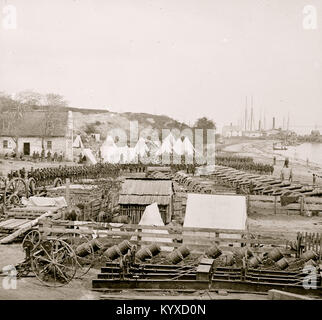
(178, 147)
(109, 151)
(89, 156)
(166, 147)
(187, 146)
(141, 148)
(78, 142)
(152, 217)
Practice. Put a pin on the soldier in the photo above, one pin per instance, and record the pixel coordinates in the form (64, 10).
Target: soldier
(314, 179)
(49, 155)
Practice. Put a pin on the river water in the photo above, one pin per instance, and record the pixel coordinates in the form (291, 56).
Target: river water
(306, 151)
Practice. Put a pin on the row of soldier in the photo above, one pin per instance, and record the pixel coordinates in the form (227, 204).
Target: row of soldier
(47, 175)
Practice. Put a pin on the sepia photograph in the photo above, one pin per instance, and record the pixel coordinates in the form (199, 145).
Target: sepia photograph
(160, 155)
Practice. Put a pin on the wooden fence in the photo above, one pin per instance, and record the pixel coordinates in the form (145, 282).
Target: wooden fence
(198, 240)
(310, 206)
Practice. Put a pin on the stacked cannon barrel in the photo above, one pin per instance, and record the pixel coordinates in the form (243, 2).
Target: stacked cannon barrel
(247, 183)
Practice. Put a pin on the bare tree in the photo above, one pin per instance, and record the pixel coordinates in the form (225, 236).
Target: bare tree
(53, 99)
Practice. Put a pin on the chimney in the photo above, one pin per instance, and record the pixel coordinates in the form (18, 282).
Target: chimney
(273, 123)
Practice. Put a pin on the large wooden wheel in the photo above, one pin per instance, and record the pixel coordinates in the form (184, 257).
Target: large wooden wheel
(31, 240)
(14, 191)
(83, 249)
(54, 263)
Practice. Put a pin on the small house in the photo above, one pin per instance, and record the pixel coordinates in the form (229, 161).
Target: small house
(137, 194)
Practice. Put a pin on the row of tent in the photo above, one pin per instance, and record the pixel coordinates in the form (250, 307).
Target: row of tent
(110, 152)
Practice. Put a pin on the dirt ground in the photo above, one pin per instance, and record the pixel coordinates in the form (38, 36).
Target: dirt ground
(281, 222)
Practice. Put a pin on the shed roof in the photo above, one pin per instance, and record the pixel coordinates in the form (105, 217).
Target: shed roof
(146, 192)
(34, 124)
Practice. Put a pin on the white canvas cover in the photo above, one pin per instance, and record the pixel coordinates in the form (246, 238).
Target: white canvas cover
(216, 211)
(78, 142)
(152, 217)
(89, 155)
(44, 202)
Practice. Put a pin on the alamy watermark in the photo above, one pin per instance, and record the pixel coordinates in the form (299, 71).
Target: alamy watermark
(167, 146)
(9, 281)
(310, 17)
(9, 17)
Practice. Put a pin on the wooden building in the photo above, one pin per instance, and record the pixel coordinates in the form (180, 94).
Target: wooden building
(136, 194)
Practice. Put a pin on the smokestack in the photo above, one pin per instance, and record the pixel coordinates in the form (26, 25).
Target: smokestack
(259, 125)
(273, 123)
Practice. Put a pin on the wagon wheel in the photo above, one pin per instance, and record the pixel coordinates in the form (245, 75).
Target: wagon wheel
(83, 249)
(31, 186)
(31, 240)
(54, 263)
(58, 182)
(17, 187)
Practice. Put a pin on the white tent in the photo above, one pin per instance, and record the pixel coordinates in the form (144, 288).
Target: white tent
(217, 212)
(126, 154)
(178, 147)
(78, 142)
(109, 151)
(152, 217)
(188, 147)
(141, 148)
(89, 155)
(166, 147)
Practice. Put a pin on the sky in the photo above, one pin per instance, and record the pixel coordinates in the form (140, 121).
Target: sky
(182, 58)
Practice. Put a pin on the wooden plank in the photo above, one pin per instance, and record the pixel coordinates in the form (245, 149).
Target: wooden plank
(173, 237)
(16, 223)
(104, 226)
(35, 209)
(6, 222)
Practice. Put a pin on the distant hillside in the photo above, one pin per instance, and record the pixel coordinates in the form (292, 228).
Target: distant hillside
(98, 121)
(87, 121)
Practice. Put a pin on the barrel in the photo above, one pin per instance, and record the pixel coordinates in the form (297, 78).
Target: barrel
(213, 252)
(154, 249)
(275, 255)
(282, 263)
(84, 249)
(175, 256)
(254, 262)
(124, 246)
(184, 251)
(229, 260)
(309, 255)
(112, 253)
(96, 244)
(241, 252)
(143, 254)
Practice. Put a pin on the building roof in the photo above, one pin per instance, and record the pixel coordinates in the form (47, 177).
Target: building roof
(146, 192)
(216, 211)
(34, 124)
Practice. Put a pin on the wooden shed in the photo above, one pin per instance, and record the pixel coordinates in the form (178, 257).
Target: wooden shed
(136, 194)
